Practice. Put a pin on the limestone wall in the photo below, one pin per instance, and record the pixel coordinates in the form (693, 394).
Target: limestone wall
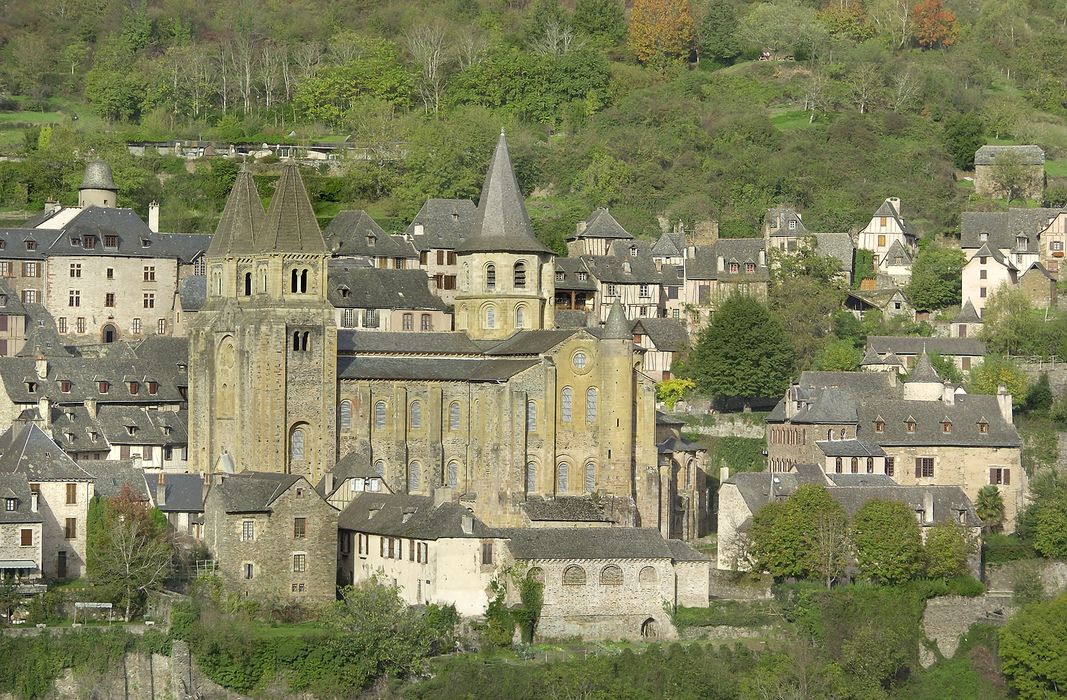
(947, 618)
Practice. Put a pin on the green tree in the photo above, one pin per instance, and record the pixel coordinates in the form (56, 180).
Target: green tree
(838, 356)
(806, 307)
(671, 391)
(720, 38)
(1033, 649)
(963, 135)
(661, 30)
(743, 353)
(1043, 524)
(1039, 398)
(1011, 177)
(948, 549)
(783, 27)
(601, 19)
(989, 506)
(803, 536)
(936, 278)
(996, 371)
(888, 542)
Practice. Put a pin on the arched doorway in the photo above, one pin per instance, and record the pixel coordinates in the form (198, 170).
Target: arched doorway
(648, 629)
(110, 334)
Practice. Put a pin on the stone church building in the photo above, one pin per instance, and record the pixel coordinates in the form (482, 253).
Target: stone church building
(502, 409)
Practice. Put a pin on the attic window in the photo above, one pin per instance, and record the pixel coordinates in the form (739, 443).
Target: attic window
(370, 241)
(74, 240)
(983, 237)
(89, 242)
(64, 386)
(583, 276)
(344, 292)
(750, 268)
(734, 268)
(3, 244)
(633, 251)
(3, 300)
(111, 241)
(946, 426)
(560, 276)
(983, 427)
(879, 426)
(910, 425)
(31, 387)
(134, 388)
(10, 504)
(131, 429)
(145, 242)
(153, 387)
(792, 225)
(166, 430)
(31, 245)
(103, 387)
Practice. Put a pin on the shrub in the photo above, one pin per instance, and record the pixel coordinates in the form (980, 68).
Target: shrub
(999, 548)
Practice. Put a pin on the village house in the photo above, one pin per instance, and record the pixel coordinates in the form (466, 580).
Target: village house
(62, 491)
(13, 321)
(931, 432)
(785, 234)
(596, 235)
(1051, 241)
(273, 536)
(21, 530)
(889, 302)
(180, 497)
(385, 300)
(664, 341)
(627, 274)
(715, 272)
(885, 228)
(436, 231)
(576, 288)
(1028, 159)
(742, 495)
(353, 236)
(964, 351)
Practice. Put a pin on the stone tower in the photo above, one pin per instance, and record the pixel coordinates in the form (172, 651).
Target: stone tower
(506, 276)
(263, 351)
(98, 186)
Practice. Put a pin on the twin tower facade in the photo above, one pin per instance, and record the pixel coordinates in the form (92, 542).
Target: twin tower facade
(266, 394)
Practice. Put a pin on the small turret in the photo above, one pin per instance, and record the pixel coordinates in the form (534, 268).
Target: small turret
(98, 186)
(617, 327)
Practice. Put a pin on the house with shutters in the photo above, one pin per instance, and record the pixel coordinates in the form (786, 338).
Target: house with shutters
(931, 433)
(885, 228)
(964, 351)
(21, 530)
(715, 272)
(355, 237)
(385, 300)
(436, 232)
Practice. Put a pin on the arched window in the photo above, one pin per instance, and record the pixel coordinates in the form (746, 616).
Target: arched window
(520, 316)
(574, 575)
(303, 281)
(870, 465)
(294, 281)
(648, 577)
(379, 415)
(296, 445)
(305, 341)
(531, 416)
(536, 574)
(531, 477)
(689, 473)
(590, 405)
(414, 476)
(416, 414)
(855, 465)
(490, 317)
(490, 277)
(248, 284)
(562, 478)
(566, 398)
(452, 474)
(590, 477)
(296, 341)
(837, 465)
(611, 575)
(520, 275)
(379, 467)
(842, 433)
(345, 414)
(453, 416)
(830, 434)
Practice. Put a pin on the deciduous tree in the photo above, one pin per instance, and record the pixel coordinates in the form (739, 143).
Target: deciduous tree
(936, 278)
(661, 30)
(804, 536)
(1033, 649)
(720, 38)
(887, 541)
(934, 25)
(948, 549)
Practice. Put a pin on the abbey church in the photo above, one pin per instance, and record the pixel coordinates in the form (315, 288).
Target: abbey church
(505, 409)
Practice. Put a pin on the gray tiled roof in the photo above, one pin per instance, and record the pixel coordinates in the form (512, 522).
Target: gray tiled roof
(150, 427)
(86, 373)
(17, 486)
(666, 334)
(250, 492)
(405, 515)
(837, 245)
(381, 342)
(588, 543)
(354, 287)
(965, 413)
(432, 369)
(620, 266)
(967, 314)
(571, 319)
(42, 336)
(502, 224)
(26, 449)
(777, 222)
(526, 343)
(355, 233)
(446, 224)
(184, 493)
(13, 243)
(564, 509)
(617, 326)
(192, 291)
(915, 345)
(1028, 154)
(290, 225)
(889, 211)
(97, 176)
(669, 245)
(830, 406)
(601, 224)
(849, 448)
(111, 477)
(705, 264)
(683, 551)
(897, 250)
(573, 269)
(242, 220)
(923, 371)
(1002, 228)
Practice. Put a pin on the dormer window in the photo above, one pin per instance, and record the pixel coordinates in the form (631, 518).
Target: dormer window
(909, 425)
(734, 268)
(792, 226)
(103, 387)
(583, 276)
(633, 251)
(31, 245)
(1020, 243)
(879, 426)
(561, 276)
(166, 430)
(983, 426)
(145, 242)
(75, 241)
(11, 504)
(131, 429)
(113, 242)
(89, 242)
(983, 237)
(64, 386)
(946, 426)
(153, 387)
(134, 388)
(31, 387)
(750, 268)
(370, 241)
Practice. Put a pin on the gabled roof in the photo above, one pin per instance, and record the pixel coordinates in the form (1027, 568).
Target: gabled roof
(252, 492)
(777, 222)
(572, 269)
(1038, 269)
(914, 345)
(669, 245)
(17, 486)
(353, 287)
(888, 210)
(409, 516)
(26, 449)
(183, 493)
(666, 334)
(967, 314)
(502, 224)
(988, 251)
(1002, 228)
(564, 509)
(601, 224)
(445, 224)
(870, 358)
(896, 250)
(399, 343)
(923, 371)
(1027, 155)
(588, 543)
(478, 369)
(112, 476)
(242, 220)
(355, 233)
(849, 448)
(291, 226)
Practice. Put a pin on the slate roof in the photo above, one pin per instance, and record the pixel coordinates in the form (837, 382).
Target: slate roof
(914, 345)
(849, 448)
(151, 427)
(588, 543)
(1039, 269)
(673, 444)
(409, 516)
(86, 373)
(1002, 228)
(42, 336)
(26, 449)
(837, 245)
(669, 245)
(683, 551)
(394, 342)
(601, 224)
(860, 479)
(967, 314)
(564, 509)
(777, 222)
(242, 220)
(528, 343)
(432, 369)
(17, 486)
(355, 233)
(923, 371)
(889, 211)
(184, 493)
(13, 243)
(572, 270)
(619, 266)
(290, 225)
(571, 319)
(871, 358)
(705, 264)
(446, 223)
(97, 176)
(830, 406)
(755, 487)
(664, 419)
(878, 298)
(192, 291)
(252, 492)
(617, 326)
(110, 477)
(897, 250)
(502, 224)
(354, 287)
(1028, 154)
(666, 334)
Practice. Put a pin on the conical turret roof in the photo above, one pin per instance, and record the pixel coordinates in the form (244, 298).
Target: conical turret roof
(291, 226)
(617, 327)
(967, 314)
(870, 358)
(502, 224)
(924, 371)
(98, 176)
(242, 220)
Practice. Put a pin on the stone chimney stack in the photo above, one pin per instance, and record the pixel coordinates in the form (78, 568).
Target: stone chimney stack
(1004, 403)
(44, 407)
(928, 507)
(35, 501)
(153, 217)
(41, 366)
(722, 264)
(329, 483)
(762, 258)
(442, 495)
(161, 490)
(90, 407)
(895, 201)
(724, 474)
(580, 226)
(948, 396)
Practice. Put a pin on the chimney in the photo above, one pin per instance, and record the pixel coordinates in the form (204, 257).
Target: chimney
(1004, 403)
(762, 258)
(691, 252)
(948, 395)
(419, 229)
(161, 490)
(41, 366)
(928, 507)
(722, 263)
(467, 523)
(329, 483)
(895, 201)
(153, 217)
(44, 407)
(52, 206)
(580, 227)
(35, 501)
(724, 474)
(626, 267)
(90, 407)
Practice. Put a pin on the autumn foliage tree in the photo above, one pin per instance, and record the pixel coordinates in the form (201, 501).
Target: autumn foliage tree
(934, 25)
(661, 30)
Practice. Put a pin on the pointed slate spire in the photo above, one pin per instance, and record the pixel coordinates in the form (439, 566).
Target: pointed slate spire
(291, 226)
(871, 358)
(502, 224)
(617, 327)
(924, 371)
(242, 220)
(967, 314)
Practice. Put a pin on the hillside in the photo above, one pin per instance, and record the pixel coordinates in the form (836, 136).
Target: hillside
(849, 110)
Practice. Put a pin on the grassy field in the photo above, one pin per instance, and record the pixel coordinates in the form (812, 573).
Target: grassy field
(791, 119)
(1056, 168)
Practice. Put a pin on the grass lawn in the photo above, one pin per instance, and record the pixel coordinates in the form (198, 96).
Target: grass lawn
(791, 119)
(1056, 168)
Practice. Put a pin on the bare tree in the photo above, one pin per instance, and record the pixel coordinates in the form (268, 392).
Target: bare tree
(428, 46)
(556, 40)
(471, 47)
(345, 46)
(815, 97)
(243, 60)
(269, 65)
(307, 57)
(831, 547)
(865, 85)
(904, 89)
(894, 18)
(221, 61)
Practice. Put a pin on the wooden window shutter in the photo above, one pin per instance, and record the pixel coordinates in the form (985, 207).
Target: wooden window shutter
(918, 467)
(992, 475)
(381, 541)
(1007, 476)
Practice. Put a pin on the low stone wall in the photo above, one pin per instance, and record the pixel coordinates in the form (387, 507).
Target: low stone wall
(733, 585)
(725, 633)
(947, 618)
(1000, 578)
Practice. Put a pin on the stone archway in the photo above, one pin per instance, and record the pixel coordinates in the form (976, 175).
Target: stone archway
(109, 334)
(649, 629)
